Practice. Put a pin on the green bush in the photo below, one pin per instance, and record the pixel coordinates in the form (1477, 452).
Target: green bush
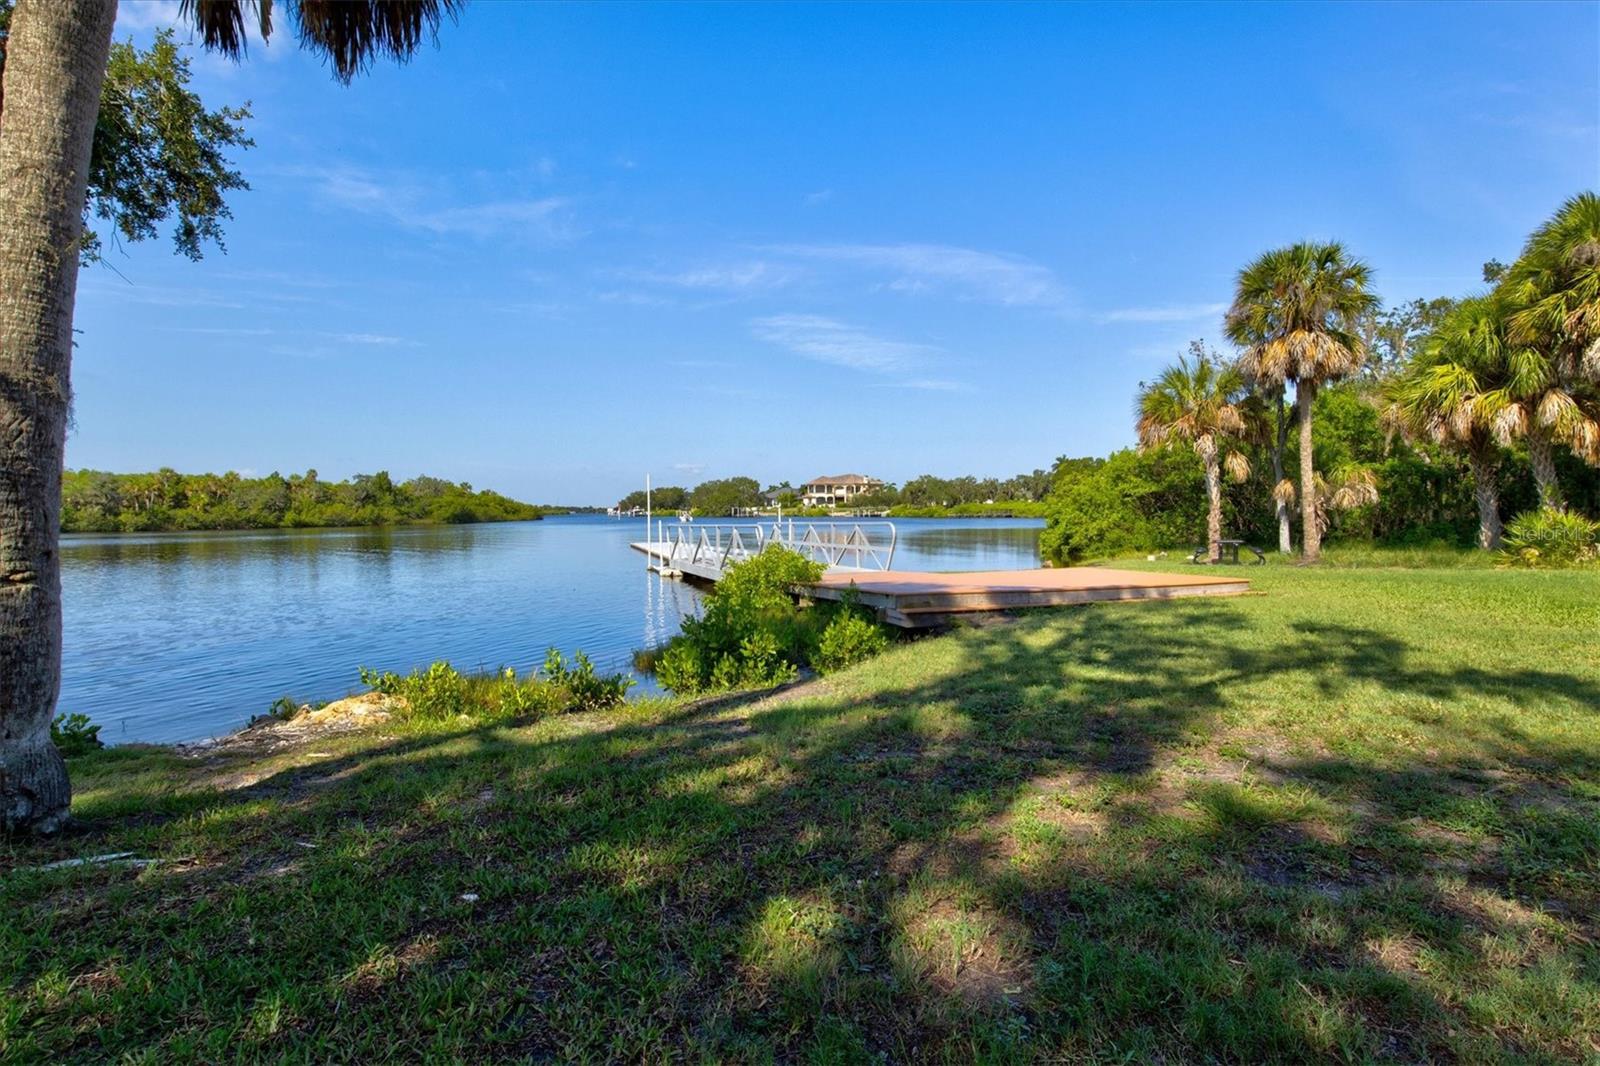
(75, 735)
(1551, 538)
(584, 689)
(751, 635)
(680, 666)
(849, 639)
(1131, 501)
(442, 692)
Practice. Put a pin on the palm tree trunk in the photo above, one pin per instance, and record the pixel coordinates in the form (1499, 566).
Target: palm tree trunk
(1280, 441)
(1487, 492)
(1541, 456)
(55, 61)
(1310, 532)
(1208, 454)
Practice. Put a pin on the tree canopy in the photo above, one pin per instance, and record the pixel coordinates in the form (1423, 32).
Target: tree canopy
(95, 501)
(159, 154)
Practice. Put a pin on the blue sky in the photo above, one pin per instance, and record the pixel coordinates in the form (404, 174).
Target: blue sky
(574, 244)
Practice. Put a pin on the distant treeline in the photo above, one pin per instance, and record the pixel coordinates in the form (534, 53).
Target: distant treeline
(928, 494)
(93, 501)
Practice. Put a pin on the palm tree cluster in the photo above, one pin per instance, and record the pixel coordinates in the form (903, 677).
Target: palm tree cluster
(1518, 365)
(1293, 318)
(1293, 315)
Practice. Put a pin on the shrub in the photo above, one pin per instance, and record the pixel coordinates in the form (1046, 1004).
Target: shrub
(849, 639)
(1551, 538)
(681, 667)
(1131, 501)
(516, 697)
(438, 692)
(75, 735)
(751, 635)
(585, 690)
(442, 692)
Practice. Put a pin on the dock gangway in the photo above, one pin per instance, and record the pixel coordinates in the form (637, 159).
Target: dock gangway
(706, 550)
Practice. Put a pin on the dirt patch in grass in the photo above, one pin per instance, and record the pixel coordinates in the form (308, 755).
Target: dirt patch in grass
(267, 736)
(967, 950)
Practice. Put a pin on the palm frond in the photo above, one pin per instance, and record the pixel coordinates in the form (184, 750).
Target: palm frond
(1190, 401)
(1555, 285)
(222, 22)
(1557, 410)
(351, 33)
(1292, 310)
(1352, 486)
(1510, 422)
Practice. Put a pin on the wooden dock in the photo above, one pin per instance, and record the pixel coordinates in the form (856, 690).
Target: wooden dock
(860, 556)
(918, 599)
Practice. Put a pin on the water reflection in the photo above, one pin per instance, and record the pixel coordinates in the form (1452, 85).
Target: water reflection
(956, 548)
(180, 636)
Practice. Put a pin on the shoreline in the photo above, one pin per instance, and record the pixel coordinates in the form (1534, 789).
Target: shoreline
(418, 523)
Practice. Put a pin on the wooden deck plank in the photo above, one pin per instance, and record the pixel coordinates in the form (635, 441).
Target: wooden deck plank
(917, 599)
(1052, 579)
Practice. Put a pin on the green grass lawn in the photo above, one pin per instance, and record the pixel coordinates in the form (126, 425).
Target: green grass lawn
(1353, 815)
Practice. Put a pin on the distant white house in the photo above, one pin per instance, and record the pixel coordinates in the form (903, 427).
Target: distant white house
(837, 490)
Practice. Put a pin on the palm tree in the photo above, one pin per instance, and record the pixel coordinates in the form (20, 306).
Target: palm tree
(1554, 292)
(1448, 394)
(1292, 312)
(1202, 403)
(1270, 395)
(1537, 404)
(1556, 287)
(55, 62)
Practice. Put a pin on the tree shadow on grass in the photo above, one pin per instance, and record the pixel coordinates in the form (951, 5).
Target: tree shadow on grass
(1030, 848)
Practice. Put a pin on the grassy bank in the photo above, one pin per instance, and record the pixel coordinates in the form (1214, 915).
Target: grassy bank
(1356, 815)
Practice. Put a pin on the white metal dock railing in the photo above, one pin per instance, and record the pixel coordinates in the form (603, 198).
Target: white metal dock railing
(707, 550)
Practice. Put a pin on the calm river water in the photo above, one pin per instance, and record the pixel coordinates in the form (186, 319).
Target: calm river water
(183, 636)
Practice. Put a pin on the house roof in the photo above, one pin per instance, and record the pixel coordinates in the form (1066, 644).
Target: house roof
(843, 479)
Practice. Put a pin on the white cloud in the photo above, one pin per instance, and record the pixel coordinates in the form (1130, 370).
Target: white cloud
(224, 331)
(537, 216)
(161, 296)
(293, 280)
(135, 15)
(821, 196)
(260, 331)
(366, 338)
(635, 299)
(828, 340)
(416, 207)
(992, 277)
(1168, 313)
(702, 364)
(924, 385)
(752, 275)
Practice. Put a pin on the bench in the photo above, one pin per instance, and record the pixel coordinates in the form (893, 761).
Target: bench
(1230, 553)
